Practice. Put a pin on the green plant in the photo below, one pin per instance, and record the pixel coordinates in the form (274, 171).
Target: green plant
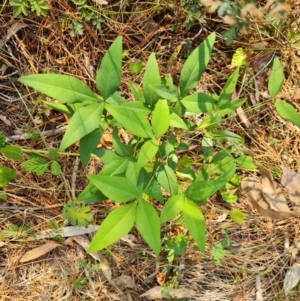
(175, 246)
(38, 7)
(76, 29)
(38, 162)
(7, 174)
(145, 171)
(79, 283)
(284, 109)
(87, 13)
(15, 232)
(241, 14)
(218, 251)
(39, 165)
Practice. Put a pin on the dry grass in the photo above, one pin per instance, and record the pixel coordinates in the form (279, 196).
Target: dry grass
(261, 247)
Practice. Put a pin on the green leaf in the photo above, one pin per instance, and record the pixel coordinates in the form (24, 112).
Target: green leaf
(108, 77)
(137, 93)
(12, 152)
(228, 89)
(91, 194)
(135, 175)
(117, 224)
(195, 65)
(134, 122)
(288, 112)
(165, 149)
(115, 99)
(172, 207)
(186, 174)
(77, 215)
(185, 160)
(229, 197)
(276, 78)
(117, 189)
(167, 179)
(160, 118)
(116, 167)
(218, 253)
(6, 175)
(135, 67)
(239, 58)
(166, 93)
(2, 139)
(227, 136)
(88, 144)
(237, 216)
(147, 152)
(55, 168)
(195, 223)
(148, 224)
(151, 78)
(3, 196)
(62, 87)
(211, 121)
(59, 107)
(230, 34)
(207, 146)
(120, 148)
(84, 121)
(246, 162)
(152, 189)
(37, 165)
(231, 106)
(200, 102)
(53, 154)
(200, 190)
(177, 122)
(219, 156)
(137, 106)
(107, 156)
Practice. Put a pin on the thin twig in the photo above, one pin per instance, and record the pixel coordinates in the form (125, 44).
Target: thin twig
(25, 136)
(74, 176)
(29, 208)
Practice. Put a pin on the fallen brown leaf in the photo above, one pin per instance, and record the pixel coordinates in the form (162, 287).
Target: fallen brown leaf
(84, 242)
(291, 181)
(11, 31)
(160, 292)
(39, 251)
(272, 192)
(123, 281)
(266, 196)
(291, 278)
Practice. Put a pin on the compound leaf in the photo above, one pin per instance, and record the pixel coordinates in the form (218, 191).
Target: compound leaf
(77, 215)
(37, 165)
